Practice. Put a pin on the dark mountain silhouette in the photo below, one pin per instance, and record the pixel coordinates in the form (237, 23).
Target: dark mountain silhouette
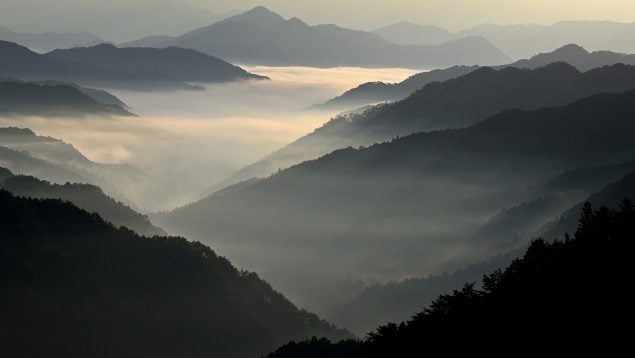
(451, 104)
(576, 56)
(566, 222)
(85, 196)
(572, 290)
(355, 206)
(263, 37)
(50, 40)
(49, 99)
(19, 62)
(185, 65)
(96, 94)
(76, 286)
(374, 92)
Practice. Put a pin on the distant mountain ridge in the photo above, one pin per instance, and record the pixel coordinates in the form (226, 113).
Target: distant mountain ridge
(105, 66)
(455, 103)
(182, 64)
(48, 41)
(263, 37)
(375, 92)
(522, 41)
(362, 201)
(55, 99)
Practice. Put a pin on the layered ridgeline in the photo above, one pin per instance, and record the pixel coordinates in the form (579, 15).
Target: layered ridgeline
(182, 64)
(25, 153)
(549, 209)
(55, 99)
(85, 196)
(375, 92)
(521, 41)
(397, 209)
(572, 290)
(76, 286)
(43, 42)
(105, 66)
(451, 104)
(263, 37)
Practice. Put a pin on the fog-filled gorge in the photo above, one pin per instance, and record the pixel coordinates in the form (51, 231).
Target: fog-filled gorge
(188, 141)
(259, 183)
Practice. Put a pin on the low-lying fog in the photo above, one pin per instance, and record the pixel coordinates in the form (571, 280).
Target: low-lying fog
(189, 141)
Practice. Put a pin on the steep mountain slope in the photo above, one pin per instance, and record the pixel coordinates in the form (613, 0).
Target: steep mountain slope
(85, 196)
(573, 290)
(19, 62)
(452, 104)
(182, 64)
(357, 205)
(41, 99)
(263, 37)
(76, 286)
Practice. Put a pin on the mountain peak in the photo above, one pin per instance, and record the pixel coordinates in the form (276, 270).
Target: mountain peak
(571, 50)
(260, 10)
(259, 15)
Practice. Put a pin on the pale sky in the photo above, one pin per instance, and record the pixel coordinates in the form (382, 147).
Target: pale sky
(132, 18)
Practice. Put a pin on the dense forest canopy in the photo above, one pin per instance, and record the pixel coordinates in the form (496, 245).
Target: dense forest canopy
(73, 285)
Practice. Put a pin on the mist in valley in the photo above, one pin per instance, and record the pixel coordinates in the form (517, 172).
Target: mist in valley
(248, 183)
(185, 142)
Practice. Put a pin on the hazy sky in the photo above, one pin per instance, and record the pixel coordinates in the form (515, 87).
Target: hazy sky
(119, 19)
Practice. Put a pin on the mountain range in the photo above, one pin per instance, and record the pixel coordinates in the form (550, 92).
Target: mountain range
(105, 66)
(522, 41)
(263, 37)
(393, 209)
(375, 92)
(49, 41)
(454, 103)
(74, 285)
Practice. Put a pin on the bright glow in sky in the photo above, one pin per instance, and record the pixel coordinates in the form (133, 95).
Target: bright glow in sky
(131, 18)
